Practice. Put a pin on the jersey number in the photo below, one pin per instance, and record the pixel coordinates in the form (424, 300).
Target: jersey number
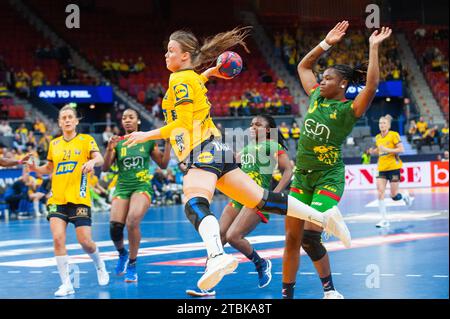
(66, 155)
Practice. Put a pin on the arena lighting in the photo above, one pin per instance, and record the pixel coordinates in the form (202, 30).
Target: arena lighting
(92, 106)
(388, 99)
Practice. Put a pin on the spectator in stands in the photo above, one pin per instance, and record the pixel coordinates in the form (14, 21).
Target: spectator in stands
(422, 126)
(37, 77)
(234, 106)
(107, 134)
(284, 130)
(244, 103)
(43, 145)
(445, 157)
(39, 126)
(140, 65)
(116, 130)
(151, 94)
(40, 196)
(158, 182)
(23, 83)
(16, 193)
(420, 33)
(431, 136)
(4, 92)
(295, 133)
(156, 108)
(31, 139)
(22, 130)
(412, 131)
(107, 67)
(256, 96)
(124, 68)
(278, 105)
(5, 129)
(444, 130)
(365, 157)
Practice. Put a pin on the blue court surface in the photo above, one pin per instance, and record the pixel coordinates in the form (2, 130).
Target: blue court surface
(407, 261)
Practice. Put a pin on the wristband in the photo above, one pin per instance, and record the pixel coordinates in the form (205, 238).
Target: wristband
(324, 45)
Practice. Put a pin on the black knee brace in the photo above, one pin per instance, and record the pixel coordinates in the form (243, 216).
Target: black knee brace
(116, 231)
(397, 197)
(312, 245)
(273, 203)
(196, 209)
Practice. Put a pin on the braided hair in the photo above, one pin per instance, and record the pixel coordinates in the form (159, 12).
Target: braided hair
(355, 76)
(272, 124)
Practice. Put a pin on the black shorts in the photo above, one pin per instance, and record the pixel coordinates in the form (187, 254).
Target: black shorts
(391, 176)
(77, 214)
(212, 155)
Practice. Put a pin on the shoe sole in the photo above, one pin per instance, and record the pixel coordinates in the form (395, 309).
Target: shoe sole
(270, 275)
(194, 293)
(209, 282)
(69, 293)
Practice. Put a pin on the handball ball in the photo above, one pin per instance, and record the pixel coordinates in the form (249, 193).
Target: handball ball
(231, 64)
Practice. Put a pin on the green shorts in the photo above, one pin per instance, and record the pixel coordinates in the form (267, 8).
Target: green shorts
(319, 189)
(238, 206)
(125, 192)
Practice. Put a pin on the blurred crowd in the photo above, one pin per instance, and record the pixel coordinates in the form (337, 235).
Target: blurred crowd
(293, 45)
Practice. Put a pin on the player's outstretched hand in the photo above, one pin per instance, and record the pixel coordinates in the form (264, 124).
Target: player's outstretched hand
(337, 33)
(135, 138)
(379, 36)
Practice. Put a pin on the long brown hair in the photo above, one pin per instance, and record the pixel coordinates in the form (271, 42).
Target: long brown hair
(205, 54)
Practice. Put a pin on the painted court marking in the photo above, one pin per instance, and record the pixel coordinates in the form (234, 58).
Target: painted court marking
(148, 251)
(331, 246)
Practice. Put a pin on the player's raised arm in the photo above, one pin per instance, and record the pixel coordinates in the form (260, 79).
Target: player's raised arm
(365, 97)
(305, 67)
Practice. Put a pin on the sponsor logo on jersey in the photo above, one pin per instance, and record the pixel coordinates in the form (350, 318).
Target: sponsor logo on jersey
(133, 162)
(53, 208)
(83, 186)
(181, 91)
(82, 212)
(248, 159)
(328, 155)
(205, 158)
(65, 168)
(142, 149)
(333, 115)
(180, 142)
(77, 152)
(317, 130)
(330, 188)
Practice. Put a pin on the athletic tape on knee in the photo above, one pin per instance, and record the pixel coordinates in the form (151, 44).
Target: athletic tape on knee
(116, 231)
(397, 197)
(196, 209)
(312, 245)
(273, 203)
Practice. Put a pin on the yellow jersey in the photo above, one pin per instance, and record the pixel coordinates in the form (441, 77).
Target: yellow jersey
(295, 133)
(69, 184)
(285, 132)
(186, 110)
(388, 161)
(422, 126)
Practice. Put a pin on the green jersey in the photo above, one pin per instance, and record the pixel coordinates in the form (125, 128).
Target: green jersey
(327, 124)
(258, 160)
(134, 163)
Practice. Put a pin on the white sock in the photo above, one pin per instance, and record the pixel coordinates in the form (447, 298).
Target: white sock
(209, 230)
(62, 263)
(95, 256)
(300, 210)
(36, 207)
(382, 208)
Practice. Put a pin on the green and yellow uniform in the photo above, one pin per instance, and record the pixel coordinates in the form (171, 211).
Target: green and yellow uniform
(258, 160)
(319, 177)
(134, 170)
